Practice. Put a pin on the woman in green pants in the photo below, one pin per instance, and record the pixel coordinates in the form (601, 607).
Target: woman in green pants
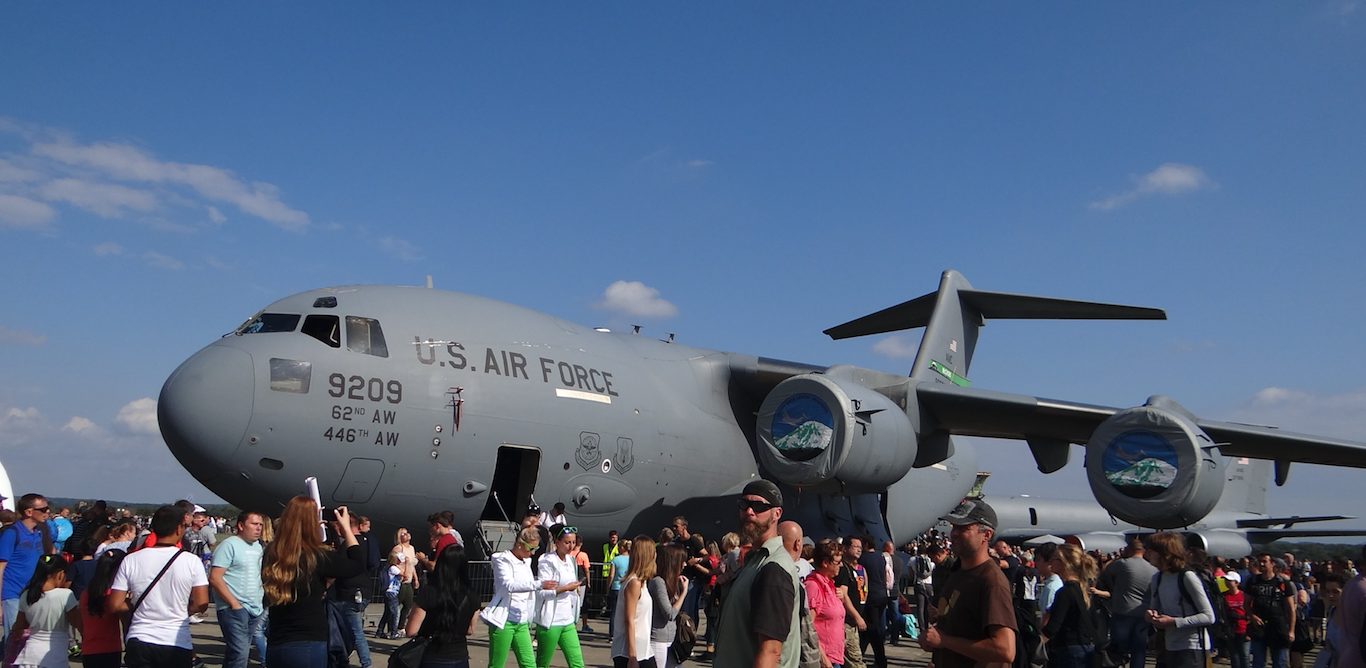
(555, 626)
(509, 614)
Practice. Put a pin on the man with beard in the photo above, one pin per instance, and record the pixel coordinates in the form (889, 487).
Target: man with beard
(758, 626)
(974, 622)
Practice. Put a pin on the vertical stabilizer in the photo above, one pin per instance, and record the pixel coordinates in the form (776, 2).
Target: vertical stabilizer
(1245, 483)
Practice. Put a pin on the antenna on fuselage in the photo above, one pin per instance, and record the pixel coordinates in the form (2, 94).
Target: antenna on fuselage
(429, 281)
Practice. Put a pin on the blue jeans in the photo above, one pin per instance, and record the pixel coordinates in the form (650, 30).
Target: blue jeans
(1129, 635)
(1280, 656)
(388, 623)
(240, 628)
(1071, 656)
(1237, 652)
(297, 655)
(691, 599)
(355, 616)
(11, 611)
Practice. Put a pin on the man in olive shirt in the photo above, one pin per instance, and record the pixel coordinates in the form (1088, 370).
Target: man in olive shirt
(974, 622)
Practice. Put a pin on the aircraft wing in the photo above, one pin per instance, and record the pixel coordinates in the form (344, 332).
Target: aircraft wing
(971, 411)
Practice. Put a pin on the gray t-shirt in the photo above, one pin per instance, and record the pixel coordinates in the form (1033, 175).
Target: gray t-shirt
(662, 625)
(1127, 581)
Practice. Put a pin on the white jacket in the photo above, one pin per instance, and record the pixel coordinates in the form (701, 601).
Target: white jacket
(562, 609)
(514, 586)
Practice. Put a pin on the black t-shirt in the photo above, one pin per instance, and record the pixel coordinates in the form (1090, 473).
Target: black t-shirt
(695, 549)
(1069, 620)
(875, 566)
(1268, 601)
(446, 643)
(847, 578)
(1012, 573)
(305, 618)
(771, 601)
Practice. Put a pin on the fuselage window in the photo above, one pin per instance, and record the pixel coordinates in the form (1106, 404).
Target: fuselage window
(290, 375)
(363, 335)
(325, 328)
(270, 322)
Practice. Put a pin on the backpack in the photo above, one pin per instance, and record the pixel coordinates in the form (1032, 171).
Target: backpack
(1029, 648)
(685, 638)
(921, 565)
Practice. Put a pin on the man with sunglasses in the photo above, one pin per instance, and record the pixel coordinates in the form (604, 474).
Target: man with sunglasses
(758, 626)
(21, 545)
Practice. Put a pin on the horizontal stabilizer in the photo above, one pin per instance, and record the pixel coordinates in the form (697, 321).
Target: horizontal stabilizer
(1263, 536)
(1003, 305)
(1288, 522)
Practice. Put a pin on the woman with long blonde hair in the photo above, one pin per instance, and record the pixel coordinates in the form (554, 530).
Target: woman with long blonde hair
(294, 574)
(1067, 630)
(635, 614)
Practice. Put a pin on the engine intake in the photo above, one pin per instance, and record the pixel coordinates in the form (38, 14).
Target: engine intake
(1154, 467)
(831, 435)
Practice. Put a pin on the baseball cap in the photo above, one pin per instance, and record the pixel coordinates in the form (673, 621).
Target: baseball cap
(972, 511)
(1232, 576)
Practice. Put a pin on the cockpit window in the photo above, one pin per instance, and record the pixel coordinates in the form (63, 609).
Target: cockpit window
(262, 323)
(325, 328)
(363, 335)
(290, 375)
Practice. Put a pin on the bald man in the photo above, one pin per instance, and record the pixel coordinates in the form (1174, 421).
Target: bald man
(791, 533)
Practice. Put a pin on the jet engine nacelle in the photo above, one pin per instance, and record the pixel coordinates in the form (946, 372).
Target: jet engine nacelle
(1102, 541)
(1220, 543)
(831, 435)
(1154, 467)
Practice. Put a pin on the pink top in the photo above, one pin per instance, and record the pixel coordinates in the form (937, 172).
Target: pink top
(828, 613)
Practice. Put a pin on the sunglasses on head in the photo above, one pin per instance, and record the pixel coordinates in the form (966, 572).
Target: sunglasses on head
(756, 506)
(564, 530)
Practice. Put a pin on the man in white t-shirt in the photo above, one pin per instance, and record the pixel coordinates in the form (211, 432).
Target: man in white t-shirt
(159, 633)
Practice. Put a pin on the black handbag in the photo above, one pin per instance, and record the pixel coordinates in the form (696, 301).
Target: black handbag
(409, 654)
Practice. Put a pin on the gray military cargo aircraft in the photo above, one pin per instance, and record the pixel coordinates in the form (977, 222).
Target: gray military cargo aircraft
(1236, 524)
(406, 400)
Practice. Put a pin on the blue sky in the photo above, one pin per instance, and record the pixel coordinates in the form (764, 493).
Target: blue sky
(769, 169)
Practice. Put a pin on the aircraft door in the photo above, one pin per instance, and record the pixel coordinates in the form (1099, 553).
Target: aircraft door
(514, 481)
(359, 481)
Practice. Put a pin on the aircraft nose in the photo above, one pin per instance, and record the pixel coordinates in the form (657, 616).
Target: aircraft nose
(205, 408)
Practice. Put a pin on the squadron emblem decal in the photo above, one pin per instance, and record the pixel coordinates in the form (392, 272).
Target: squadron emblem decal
(588, 453)
(626, 458)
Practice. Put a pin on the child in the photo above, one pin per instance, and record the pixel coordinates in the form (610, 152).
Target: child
(1237, 620)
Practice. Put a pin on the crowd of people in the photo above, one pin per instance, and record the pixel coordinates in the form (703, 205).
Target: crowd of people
(119, 590)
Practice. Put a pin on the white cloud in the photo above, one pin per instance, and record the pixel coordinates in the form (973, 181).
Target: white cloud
(635, 298)
(139, 416)
(216, 216)
(108, 248)
(1338, 415)
(20, 337)
(122, 162)
(216, 263)
(16, 211)
(1172, 178)
(400, 249)
(12, 173)
(896, 346)
(155, 259)
(125, 464)
(81, 425)
(103, 199)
